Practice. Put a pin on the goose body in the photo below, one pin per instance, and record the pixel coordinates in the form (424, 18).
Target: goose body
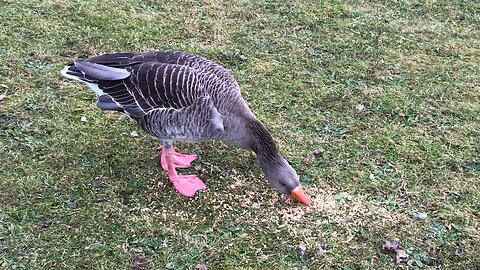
(178, 96)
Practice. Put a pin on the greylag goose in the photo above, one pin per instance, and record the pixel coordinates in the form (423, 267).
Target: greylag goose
(178, 96)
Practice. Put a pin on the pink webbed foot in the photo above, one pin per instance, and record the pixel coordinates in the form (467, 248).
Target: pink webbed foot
(187, 185)
(179, 160)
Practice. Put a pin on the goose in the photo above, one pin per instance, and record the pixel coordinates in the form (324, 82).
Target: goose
(179, 96)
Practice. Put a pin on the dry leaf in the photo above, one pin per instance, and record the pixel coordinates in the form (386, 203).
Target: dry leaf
(318, 153)
(401, 255)
(140, 262)
(201, 266)
(392, 247)
(421, 215)
(321, 249)
(302, 248)
(359, 107)
(72, 204)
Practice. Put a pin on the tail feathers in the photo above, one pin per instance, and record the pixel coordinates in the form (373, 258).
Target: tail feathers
(100, 72)
(105, 102)
(71, 72)
(91, 72)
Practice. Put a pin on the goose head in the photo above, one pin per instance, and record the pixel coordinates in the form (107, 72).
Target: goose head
(284, 178)
(276, 168)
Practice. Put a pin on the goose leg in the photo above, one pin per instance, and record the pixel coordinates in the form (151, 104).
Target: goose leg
(187, 185)
(180, 160)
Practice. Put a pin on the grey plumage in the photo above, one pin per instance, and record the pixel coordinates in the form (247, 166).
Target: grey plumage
(172, 95)
(200, 121)
(102, 72)
(181, 96)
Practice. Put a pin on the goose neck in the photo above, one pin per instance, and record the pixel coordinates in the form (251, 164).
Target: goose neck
(263, 144)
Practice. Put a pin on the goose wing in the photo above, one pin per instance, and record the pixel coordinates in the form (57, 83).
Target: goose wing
(196, 62)
(140, 82)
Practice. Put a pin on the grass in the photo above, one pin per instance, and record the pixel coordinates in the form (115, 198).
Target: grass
(375, 103)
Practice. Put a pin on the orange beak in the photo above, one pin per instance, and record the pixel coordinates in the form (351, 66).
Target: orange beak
(301, 196)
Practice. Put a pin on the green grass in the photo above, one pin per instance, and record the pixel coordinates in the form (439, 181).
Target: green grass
(85, 194)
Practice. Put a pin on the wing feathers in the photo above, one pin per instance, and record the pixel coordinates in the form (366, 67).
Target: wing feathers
(198, 121)
(141, 82)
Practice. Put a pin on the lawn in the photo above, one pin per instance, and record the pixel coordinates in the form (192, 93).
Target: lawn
(376, 104)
